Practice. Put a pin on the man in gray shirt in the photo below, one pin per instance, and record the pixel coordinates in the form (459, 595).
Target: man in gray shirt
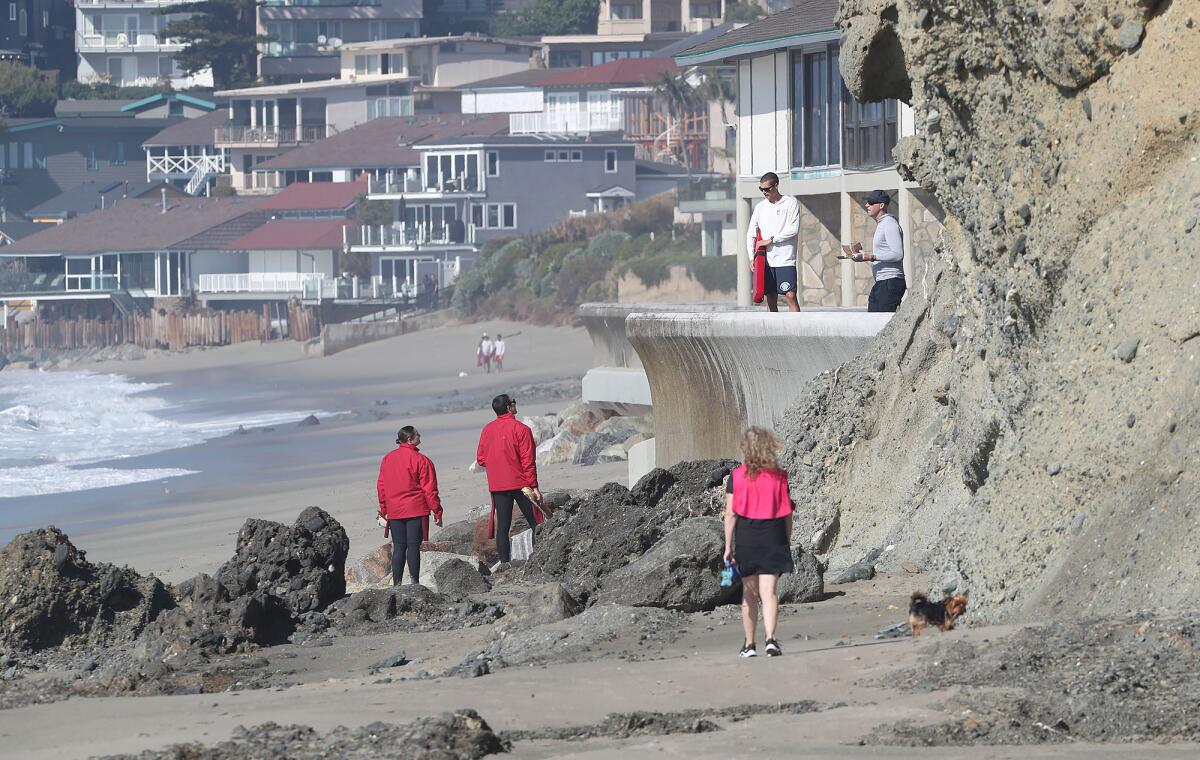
(886, 256)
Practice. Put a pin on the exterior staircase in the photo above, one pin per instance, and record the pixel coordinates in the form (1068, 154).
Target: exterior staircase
(124, 303)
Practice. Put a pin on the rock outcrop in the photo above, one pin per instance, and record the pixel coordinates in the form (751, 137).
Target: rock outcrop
(51, 596)
(1003, 403)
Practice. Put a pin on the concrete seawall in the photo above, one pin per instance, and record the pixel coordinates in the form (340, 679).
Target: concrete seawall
(711, 374)
(617, 380)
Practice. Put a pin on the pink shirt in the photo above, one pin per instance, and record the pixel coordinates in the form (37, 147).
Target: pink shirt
(763, 497)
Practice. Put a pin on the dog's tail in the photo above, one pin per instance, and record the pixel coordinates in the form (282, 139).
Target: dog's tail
(919, 597)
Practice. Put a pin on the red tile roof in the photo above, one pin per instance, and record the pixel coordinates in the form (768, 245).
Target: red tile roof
(292, 234)
(627, 71)
(315, 196)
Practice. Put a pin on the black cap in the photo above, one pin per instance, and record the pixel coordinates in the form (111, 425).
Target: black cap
(877, 196)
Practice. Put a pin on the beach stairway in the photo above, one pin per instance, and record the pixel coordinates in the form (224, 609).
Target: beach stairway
(124, 303)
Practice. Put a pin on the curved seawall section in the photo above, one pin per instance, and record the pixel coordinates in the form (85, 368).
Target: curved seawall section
(712, 374)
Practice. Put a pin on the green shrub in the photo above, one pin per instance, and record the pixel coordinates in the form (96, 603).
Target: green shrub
(607, 244)
(716, 273)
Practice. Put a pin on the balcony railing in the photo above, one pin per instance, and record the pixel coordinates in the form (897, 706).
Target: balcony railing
(392, 184)
(124, 40)
(242, 136)
(262, 282)
(415, 236)
(179, 167)
(565, 122)
(717, 190)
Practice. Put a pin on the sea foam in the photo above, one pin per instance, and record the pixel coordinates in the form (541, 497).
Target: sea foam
(56, 426)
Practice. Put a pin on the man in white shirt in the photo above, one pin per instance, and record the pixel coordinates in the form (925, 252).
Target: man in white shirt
(777, 219)
(499, 350)
(886, 254)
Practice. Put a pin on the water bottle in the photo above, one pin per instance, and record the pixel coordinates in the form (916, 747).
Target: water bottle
(728, 574)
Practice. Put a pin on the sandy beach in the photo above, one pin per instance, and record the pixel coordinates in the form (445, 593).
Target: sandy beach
(185, 525)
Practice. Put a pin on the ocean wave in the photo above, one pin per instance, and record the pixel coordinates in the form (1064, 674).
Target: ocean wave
(53, 425)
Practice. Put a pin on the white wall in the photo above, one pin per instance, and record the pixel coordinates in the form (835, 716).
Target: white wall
(764, 115)
(516, 100)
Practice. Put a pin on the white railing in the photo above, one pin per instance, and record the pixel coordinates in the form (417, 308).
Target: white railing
(391, 183)
(263, 282)
(565, 122)
(123, 40)
(406, 236)
(184, 166)
(269, 136)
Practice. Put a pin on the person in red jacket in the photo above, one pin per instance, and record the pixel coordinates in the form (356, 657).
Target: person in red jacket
(408, 493)
(506, 451)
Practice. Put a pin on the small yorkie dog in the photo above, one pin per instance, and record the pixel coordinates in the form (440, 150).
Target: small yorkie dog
(922, 612)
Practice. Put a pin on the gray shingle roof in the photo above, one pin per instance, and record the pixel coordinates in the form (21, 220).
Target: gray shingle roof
(197, 131)
(806, 17)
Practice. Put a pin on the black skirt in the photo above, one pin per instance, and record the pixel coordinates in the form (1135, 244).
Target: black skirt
(761, 547)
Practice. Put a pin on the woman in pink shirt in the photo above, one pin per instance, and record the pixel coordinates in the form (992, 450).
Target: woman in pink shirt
(758, 533)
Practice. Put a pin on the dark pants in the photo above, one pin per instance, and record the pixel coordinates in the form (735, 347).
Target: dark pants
(503, 501)
(406, 543)
(886, 295)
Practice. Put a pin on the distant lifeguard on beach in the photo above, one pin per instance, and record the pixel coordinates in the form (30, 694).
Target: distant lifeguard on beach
(484, 353)
(498, 351)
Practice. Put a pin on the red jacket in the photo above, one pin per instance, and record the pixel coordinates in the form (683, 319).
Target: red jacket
(408, 485)
(507, 452)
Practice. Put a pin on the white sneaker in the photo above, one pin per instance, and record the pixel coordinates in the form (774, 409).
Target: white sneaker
(748, 651)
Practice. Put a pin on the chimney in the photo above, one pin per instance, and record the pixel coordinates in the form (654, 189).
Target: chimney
(164, 199)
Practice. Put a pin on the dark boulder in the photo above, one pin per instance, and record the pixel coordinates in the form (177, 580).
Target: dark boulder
(864, 570)
(681, 572)
(652, 486)
(458, 577)
(457, 537)
(304, 565)
(547, 603)
(806, 584)
(51, 596)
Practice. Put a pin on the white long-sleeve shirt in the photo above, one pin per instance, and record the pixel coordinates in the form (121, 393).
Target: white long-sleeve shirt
(887, 247)
(779, 222)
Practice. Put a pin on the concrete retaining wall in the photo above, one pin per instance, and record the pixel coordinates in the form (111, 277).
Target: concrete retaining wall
(340, 337)
(712, 374)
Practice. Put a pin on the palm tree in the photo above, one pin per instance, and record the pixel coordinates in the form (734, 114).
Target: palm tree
(680, 98)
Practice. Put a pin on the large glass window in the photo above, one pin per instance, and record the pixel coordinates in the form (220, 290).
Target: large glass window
(566, 59)
(816, 101)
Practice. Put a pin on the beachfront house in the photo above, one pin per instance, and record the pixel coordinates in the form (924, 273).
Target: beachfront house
(796, 118)
(632, 29)
(86, 141)
(267, 121)
(440, 64)
(305, 36)
(118, 43)
(468, 189)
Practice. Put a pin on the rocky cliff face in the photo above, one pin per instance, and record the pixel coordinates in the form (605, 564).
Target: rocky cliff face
(1028, 426)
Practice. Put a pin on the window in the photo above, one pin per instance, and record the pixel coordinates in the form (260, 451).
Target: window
(565, 59)
(396, 29)
(175, 108)
(564, 155)
(703, 10)
(374, 30)
(498, 216)
(493, 163)
(608, 56)
(366, 64)
(477, 215)
(89, 158)
(12, 11)
(869, 133)
(45, 19)
(576, 156)
(550, 156)
(24, 23)
(117, 154)
(27, 155)
(39, 155)
(816, 97)
(625, 11)
(610, 162)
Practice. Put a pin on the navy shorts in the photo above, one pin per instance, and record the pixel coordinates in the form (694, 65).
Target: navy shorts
(780, 280)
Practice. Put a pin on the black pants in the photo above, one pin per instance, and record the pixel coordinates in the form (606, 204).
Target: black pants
(503, 501)
(886, 295)
(406, 543)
